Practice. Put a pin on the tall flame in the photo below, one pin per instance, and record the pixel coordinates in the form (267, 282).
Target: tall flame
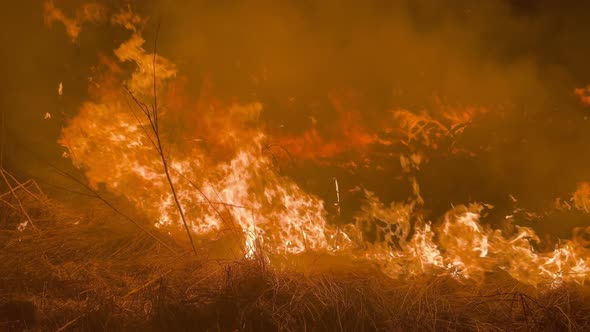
(227, 183)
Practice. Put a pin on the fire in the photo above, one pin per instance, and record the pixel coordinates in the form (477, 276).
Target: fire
(109, 141)
(87, 13)
(583, 94)
(466, 249)
(581, 197)
(347, 133)
(227, 184)
(427, 130)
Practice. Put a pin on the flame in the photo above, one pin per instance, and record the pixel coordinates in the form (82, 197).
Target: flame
(583, 94)
(227, 184)
(466, 249)
(426, 130)
(346, 133)
(86, 13)
(109, 141)
(581, 197)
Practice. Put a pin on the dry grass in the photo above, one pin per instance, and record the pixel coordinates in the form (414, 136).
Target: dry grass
(94, 272)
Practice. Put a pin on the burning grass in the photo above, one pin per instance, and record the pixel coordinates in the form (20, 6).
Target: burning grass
(197, 227)
(93, 271)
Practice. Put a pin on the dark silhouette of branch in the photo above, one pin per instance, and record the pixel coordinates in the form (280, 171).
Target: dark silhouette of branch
(152, 116)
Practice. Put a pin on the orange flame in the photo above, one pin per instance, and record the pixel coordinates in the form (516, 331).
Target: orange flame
(226, 182)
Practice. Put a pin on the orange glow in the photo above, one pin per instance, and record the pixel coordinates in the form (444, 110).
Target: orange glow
(228, 186)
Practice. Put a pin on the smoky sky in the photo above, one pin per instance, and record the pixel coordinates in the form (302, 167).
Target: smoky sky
(520, 59)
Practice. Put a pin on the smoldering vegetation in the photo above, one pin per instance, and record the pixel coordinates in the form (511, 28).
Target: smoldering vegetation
(93, 271)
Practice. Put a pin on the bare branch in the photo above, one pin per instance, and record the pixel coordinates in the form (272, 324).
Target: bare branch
(157, 141)
(15, 196)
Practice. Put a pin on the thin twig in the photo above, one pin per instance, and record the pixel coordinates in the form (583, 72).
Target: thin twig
(24, 186)
(152, 117)
(70, 323)
(15, 196)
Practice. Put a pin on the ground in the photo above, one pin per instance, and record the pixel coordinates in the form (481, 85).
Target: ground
(95, 271)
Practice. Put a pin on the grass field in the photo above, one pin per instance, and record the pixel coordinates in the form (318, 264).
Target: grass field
(92, 271)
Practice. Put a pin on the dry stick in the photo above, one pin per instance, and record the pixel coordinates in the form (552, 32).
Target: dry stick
(15, 196)
(155, 126)
(152, 117)
(173, 189)
(12, 190)
(24, 186)
(16, 188)
(38, 188)
(10, 205)
(157, 143)
(70, 323)
(144, 286)
(207, 200)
